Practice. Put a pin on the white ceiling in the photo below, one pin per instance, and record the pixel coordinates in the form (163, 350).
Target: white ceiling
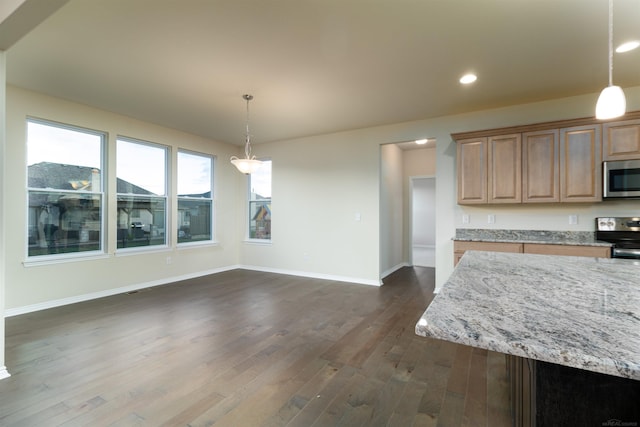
(319, 66)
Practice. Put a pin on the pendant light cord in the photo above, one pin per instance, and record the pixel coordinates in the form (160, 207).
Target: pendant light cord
(247, 145)
(610, 42)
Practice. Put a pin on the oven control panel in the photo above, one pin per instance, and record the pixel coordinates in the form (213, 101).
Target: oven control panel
(618, 224)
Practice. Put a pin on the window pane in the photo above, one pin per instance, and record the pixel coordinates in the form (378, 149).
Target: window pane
(260, 220)
(260, 182)
(194, 220)
(64, 189)
(260, 202)
(63, 158)
(194, 175)
(141, 221)
(195, 198)
(62, 222)
(141, 168)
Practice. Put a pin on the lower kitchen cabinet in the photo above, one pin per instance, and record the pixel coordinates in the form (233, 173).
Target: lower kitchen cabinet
(571, 250)
(546, 394)
(460, 247)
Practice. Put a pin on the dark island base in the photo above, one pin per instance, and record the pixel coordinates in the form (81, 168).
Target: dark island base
(550, 395)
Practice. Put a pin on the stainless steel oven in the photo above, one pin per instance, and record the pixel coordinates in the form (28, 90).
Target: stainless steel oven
(623, 233)
(621, 179)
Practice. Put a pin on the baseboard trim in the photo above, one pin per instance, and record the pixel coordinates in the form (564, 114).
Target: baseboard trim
(4, 373)
(355, 280)
(10, 312)
(394, 269)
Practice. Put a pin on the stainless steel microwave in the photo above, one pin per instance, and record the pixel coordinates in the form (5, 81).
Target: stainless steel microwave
(621, 179)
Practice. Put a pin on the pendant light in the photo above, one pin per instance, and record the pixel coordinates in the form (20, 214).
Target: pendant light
(611, 103)
(249, 164)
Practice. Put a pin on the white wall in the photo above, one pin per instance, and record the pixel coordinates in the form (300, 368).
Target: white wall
(423, 212)
(391, 209)
(417, 163)
(319, 185)
(37, 285)
(3, 192)
(420, 162)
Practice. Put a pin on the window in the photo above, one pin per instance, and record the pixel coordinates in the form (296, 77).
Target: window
(260, 202)
(195, 197)
(142, 193)
(64, 186)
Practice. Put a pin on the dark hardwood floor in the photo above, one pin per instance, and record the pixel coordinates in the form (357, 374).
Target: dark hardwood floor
(244, 348)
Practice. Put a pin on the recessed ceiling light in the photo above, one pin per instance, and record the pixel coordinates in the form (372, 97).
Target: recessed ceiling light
(421, 141)
(468, 78)
(626, 47)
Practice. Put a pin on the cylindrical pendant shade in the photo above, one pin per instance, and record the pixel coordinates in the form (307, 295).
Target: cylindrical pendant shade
(611, 103)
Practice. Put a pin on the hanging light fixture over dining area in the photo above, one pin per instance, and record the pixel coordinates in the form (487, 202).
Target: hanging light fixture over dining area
(248, 164)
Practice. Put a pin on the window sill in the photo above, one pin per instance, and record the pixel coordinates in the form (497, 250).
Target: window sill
(258, 242)
(200, 244)
(141, 250)
(63, 259)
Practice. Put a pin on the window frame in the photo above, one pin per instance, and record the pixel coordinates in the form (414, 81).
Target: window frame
(248, 238)
(166, 197)
(102, 243)
(212, 239)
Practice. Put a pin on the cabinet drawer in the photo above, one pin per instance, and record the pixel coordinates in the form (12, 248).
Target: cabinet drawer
(571, 250)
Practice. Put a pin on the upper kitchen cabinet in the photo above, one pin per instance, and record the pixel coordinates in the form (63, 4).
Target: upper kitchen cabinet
(551, 162)
(581, 164)
(504, 170)
(621, 140)
(471, 159)
(541, 166)
(489, 170)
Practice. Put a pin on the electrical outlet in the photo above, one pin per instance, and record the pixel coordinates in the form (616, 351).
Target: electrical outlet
(491, 219)
(573, 219)
(465, 219)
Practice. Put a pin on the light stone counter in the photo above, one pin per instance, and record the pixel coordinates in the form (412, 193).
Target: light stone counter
(575, 238)
(573, 311)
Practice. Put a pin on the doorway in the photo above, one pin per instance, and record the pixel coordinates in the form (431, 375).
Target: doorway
(423, 221)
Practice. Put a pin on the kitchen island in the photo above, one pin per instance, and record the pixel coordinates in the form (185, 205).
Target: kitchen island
(571, 320)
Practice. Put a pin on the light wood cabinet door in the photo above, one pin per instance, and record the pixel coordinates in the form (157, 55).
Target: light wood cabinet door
(570, 250)
(472, 171)
(621, 140)
(540, 167)
(581, 164)
(504, 169)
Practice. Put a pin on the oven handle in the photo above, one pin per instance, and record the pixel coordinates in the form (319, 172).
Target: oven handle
(628, 253)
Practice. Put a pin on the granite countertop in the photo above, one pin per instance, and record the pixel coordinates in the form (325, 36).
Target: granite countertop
(573, 311)
(577, 238)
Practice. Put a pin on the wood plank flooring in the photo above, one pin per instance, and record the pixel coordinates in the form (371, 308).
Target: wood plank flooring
(245, 348)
